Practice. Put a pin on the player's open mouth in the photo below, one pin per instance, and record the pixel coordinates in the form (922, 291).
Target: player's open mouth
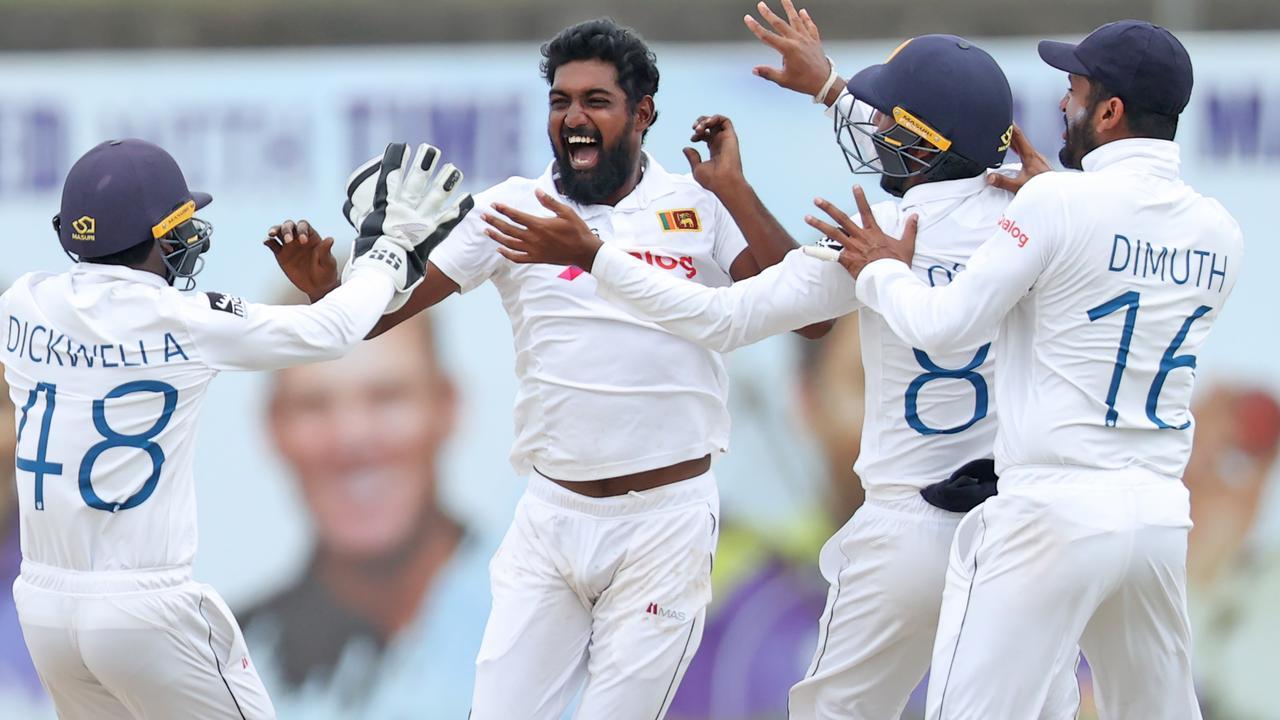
(584, 150)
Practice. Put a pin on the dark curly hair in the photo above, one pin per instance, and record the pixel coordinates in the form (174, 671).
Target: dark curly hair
(604, 39)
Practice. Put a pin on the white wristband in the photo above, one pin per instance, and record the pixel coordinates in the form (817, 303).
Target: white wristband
(821, 97)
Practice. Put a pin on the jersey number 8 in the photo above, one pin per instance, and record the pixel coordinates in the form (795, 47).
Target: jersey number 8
(969, 373)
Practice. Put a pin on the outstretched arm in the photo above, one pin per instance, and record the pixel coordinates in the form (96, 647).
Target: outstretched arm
(234, 335)
(800, 293)
(970, 309)
(767, 241)
(797, 292)
(307, 260)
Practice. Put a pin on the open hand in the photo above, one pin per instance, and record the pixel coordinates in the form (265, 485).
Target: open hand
(304, 256)
(805, 67)
(562, 239)
(866, 243)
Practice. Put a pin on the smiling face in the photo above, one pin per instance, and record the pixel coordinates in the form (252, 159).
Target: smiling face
(595, 134)
(362, 435)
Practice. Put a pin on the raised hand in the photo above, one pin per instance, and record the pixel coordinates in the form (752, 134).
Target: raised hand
(305, 257)
(1033, 164)
(805, 68)
(723, 170)
(562, 239)
(865, 243)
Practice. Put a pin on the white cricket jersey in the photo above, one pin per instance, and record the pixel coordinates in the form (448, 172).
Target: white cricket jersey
(107, 368)
(926, 413)
(1103, 285)
(601, 393)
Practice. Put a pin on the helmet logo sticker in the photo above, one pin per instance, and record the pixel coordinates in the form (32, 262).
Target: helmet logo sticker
(84, 229)
(1005, 140)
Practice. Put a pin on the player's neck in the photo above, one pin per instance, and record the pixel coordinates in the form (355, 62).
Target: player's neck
(154, 263)
(388, 591)
(633, 180)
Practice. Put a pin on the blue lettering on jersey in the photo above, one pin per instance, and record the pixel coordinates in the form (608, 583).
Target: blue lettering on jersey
(47, 346)
(1180, 267)
(83, 352)
(172, 348)
(12, 341)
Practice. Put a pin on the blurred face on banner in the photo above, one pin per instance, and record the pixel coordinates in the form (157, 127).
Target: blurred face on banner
(833, 396)
(363, 435)
(8, 445)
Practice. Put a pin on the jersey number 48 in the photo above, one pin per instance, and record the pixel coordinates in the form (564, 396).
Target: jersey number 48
(41, 466)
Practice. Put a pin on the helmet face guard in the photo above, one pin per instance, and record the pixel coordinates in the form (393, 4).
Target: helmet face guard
(891, 153)
(189, 241)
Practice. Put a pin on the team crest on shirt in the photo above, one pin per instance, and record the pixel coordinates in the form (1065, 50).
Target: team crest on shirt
(685, 220)
(226, 303)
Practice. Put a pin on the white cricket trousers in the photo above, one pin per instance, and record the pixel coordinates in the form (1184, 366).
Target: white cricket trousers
(887, 568)
(610, 591)
(1066, 556)
(149, 644)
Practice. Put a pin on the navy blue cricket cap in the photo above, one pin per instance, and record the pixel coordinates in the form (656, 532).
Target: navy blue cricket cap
(123, 193)
(1142, 63)
(950, 85)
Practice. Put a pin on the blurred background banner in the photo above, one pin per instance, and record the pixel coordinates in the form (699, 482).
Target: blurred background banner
(349, 524)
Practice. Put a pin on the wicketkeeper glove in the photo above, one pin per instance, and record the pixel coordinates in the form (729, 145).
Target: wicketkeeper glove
(395, 201)
(966, 489)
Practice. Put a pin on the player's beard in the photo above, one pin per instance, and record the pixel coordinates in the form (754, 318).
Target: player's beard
(612, 170)
(1081, 140)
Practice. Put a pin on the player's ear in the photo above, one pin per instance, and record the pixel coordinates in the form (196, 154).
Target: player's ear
(1112, 112)
(645, 113)
(1112, 108)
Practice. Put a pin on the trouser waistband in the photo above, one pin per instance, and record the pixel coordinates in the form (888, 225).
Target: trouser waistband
(102, 582)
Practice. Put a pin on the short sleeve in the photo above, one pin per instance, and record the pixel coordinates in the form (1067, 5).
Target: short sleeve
(468, 256)
(727, 242)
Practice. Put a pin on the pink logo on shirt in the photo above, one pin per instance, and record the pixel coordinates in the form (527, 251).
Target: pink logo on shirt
(1016, 232)
(571, 273)
(667, 262)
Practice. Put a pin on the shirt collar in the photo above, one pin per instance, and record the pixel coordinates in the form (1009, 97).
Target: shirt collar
(1163, 157)
(95, 271)
(925, 193)
(655, 183)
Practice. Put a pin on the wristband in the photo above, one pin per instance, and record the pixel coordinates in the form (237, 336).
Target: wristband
(821, 97)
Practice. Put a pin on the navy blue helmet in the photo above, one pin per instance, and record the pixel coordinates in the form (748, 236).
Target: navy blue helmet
(123, 193)
(943, 95)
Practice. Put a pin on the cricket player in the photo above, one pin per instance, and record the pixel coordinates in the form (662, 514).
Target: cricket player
(108, 365)
(931, 122)
(1103, 286)
(602, 581)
